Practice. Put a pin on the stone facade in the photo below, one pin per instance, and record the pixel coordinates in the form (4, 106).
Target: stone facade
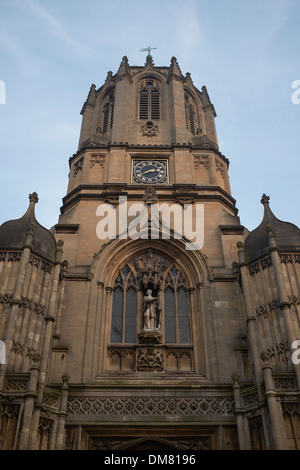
(90, 359)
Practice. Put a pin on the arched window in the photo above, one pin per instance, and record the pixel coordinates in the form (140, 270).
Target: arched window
(123, 324)
(149, 100)
(176, 308)
(150, 322)
(190, 114)
(108, 113)
(126, 308)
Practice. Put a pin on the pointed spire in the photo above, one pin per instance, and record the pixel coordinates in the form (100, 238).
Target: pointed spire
(268, 214)
(33, 197)
(188, 78)
(268, 217)
(265, 199)
(206, 100)
(33, 200)
(124, 67)
(174, 68)
(92, 94)
(109, 77)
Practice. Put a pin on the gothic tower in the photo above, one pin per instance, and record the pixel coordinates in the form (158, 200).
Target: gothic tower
(149, 317)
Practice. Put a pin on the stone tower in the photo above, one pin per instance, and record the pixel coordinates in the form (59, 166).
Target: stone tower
(149, 318)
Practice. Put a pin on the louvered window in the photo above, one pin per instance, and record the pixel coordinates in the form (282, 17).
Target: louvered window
(144, 104)
(155, 104)
(190, 117)
(108, 113)
(149, 102)
(105, 117)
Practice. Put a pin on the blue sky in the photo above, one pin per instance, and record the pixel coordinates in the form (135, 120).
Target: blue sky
(245, 53)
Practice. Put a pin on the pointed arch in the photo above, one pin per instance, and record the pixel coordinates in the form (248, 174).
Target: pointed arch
(106, 280)
(106, 262)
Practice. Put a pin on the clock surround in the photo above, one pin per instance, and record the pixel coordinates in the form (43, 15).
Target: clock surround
(150, 171)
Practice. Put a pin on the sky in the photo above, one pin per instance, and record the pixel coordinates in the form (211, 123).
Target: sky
(245, 52)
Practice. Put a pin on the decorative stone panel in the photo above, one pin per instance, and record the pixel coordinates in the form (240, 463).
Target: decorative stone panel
(149, 358)
(150, 406)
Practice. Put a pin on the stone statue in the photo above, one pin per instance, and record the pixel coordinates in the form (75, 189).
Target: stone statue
(150, 311)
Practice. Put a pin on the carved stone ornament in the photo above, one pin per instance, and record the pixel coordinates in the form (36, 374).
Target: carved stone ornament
(150, 195)
(149, 129)
(17, 347)
(150, 359)
(150, 269)
(33, 197)
(113, 200)
(114, 188)
(97, 158)
(220, 167)
(185, 200)
(265, 199)
(77, 166)
(201, 160)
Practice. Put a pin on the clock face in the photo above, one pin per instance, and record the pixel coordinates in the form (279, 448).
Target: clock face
(150, 171)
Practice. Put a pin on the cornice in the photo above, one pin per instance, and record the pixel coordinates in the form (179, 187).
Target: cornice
(133, 191)
(146, 147)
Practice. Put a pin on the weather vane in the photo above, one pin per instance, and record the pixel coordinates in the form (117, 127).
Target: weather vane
(149, 56)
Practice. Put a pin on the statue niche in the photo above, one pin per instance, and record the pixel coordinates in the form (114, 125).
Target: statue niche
(150, 277)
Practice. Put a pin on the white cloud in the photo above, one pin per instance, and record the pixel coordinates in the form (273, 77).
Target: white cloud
(13, 47)
(57, 28)
(187, 32)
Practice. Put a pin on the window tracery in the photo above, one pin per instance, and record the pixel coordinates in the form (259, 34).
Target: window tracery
(123, 326)
(168, 286)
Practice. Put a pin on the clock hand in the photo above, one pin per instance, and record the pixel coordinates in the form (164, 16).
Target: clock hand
(149, 171)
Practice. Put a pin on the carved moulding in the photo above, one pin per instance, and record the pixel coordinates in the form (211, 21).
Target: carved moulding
(6, 298)
(256, 267)
(150, 337)
(123, 443)
(136, 405)
(285, 381)
(10, 256)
